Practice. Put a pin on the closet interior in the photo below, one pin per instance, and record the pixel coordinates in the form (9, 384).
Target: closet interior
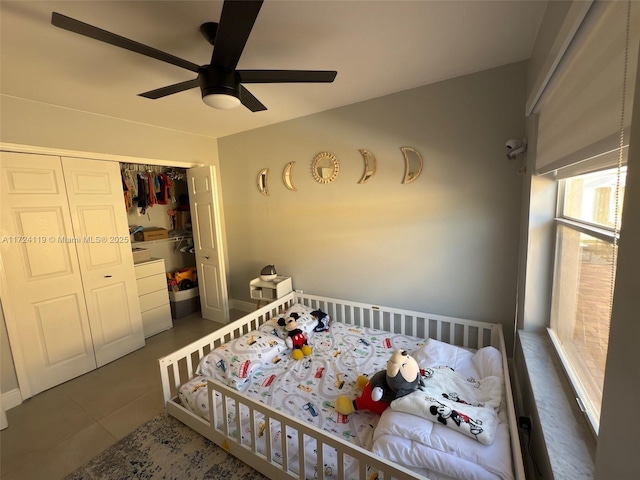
(157, 204)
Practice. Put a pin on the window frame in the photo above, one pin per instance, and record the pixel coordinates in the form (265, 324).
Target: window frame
(603, 233)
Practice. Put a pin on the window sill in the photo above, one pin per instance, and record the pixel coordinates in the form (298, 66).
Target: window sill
(568, 440)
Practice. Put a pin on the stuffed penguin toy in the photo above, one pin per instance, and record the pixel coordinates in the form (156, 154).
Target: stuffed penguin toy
(401, 377)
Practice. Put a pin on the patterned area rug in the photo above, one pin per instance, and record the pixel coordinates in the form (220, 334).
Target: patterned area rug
(164, 448)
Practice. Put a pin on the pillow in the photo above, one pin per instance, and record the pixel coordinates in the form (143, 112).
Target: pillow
(308, 322)
(435, 353)
(486, 362)
(236, 361)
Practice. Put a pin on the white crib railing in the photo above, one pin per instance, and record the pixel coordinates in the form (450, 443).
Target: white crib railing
(456, 331)
(273, 420)
(178, 367)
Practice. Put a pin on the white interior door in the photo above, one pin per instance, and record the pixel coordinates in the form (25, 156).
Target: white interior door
(101, 232)
(42, 292)
(207, 239)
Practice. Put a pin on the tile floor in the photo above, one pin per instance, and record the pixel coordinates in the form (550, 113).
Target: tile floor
(56, 431)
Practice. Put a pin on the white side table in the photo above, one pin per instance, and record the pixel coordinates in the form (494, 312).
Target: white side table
(262, 291)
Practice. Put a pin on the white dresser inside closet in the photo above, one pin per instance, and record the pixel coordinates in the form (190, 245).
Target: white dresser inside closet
(154, 297)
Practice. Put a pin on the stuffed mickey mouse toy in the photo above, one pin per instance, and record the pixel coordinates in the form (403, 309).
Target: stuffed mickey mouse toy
(296, 338)
(400, 378)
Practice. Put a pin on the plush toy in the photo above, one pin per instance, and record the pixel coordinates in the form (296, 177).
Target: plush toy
(401, 377)
(323, 321)
(296, 338)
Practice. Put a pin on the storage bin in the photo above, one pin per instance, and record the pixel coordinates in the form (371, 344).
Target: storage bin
(184, 302)
(140, 255)
(151, 233)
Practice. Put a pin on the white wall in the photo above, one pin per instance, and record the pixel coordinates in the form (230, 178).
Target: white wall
(27, 122)
(446, 243)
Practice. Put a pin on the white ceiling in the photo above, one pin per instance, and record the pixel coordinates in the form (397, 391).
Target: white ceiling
(377, 47)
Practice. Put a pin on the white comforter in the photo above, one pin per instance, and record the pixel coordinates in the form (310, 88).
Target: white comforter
(431, 448)
(465, 405)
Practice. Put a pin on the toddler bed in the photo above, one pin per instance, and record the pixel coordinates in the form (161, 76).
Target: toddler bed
(282, 421)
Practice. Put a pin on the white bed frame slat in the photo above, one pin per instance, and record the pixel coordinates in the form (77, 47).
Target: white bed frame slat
(267, 438)
(301, 458)
(473, 335)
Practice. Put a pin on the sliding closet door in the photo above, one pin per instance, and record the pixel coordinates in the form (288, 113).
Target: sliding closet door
(101, 233)
(42, 293)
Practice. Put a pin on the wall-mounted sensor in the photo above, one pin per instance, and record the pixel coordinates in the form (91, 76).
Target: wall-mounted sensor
(514, 147)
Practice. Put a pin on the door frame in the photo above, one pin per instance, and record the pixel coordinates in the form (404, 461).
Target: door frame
(9, 316)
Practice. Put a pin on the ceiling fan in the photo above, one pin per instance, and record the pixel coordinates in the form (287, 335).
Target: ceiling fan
(220, 83)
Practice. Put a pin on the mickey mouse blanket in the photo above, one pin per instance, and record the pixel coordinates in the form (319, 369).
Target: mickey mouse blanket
(464, 404)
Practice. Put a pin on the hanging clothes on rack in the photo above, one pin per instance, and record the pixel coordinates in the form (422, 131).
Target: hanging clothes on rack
(148, 185)
(151, 189)
(131, 177)
(130, 184)
(126, 189)
(143, 193)
(165, 184)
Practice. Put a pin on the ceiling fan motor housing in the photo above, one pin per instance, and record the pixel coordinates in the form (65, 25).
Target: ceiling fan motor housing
(217, 80)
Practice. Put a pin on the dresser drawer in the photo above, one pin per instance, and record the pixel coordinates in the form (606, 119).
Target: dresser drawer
(156, 320)
(151, 284)
(147, 269)
(153, 300)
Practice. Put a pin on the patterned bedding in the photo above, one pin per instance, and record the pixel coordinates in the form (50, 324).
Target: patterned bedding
(307, 388)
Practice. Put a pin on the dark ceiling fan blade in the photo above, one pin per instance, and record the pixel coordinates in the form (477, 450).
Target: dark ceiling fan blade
(96, 33)
(170, 89)
(249, 101)
(286, 76)
(236, 21)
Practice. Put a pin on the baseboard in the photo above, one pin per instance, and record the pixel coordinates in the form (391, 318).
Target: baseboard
(242, 305)
(11, 399)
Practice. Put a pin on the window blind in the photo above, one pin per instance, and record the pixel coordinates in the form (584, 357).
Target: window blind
(580, 110)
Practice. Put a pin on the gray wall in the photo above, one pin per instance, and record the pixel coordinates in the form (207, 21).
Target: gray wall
(446, 243)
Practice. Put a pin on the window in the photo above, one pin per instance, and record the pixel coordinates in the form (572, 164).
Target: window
(589, 211)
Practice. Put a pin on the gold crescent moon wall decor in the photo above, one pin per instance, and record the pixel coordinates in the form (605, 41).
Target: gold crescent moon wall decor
(412, 166)
(286, 176)
(263, 185)
(369, 165)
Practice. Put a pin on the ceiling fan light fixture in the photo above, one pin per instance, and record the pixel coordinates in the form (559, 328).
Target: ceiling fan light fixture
(221, 101)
